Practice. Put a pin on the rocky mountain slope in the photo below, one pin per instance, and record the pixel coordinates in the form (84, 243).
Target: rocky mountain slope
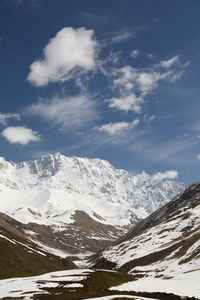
(21, 257)
(164, 246)
(78, 204)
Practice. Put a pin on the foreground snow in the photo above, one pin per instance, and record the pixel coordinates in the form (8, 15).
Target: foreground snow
(187, 284)
(28, 286)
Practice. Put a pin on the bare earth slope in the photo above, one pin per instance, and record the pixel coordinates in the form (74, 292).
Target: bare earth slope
(21, 257)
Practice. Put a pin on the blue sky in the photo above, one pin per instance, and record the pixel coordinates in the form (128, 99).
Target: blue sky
(118, 80)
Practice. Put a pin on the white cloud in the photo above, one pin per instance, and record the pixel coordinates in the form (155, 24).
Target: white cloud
(149, 118)
(20, 135)
(135, 53)
(198, 156)
(126, 103)
(128, 78)
(151, 55)
(94, 19)
(70, 51)
(133, 85)
(176, 76)
(147, 81)
(171, 174)
(170, 62)
(118, 127)
(123, 35)
(123, 78)
(65, 112)
(175, 151)
(4, 117)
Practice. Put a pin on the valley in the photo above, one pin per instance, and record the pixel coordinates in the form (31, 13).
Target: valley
(48, 252)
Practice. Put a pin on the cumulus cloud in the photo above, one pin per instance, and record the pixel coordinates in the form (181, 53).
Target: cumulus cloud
(118, 127)
(4, 117)
(70, 51)
(65, 112)
(20, 135)
(126, 103)
(133, 84)
(198, 156)
(171, 174)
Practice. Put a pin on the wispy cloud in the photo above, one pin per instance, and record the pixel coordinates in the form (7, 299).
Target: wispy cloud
(70, 51)
(151, 56)
(168, 63)
(101, 19)
(148, 119)
(135, 53)
(118, 127)
(170, 151)
(23, 2)
(5, 117)
(122, 35)
(66, 113)
(2, 37)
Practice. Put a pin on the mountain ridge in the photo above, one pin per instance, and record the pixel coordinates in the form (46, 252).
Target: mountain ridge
(20, 256)
(48, 194)
(95, 177)
(165, 244)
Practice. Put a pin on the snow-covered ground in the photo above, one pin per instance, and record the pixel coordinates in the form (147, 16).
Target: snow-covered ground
(52, 188)
(186, 285)
(158, 238)
(28, 286)
(164, 249)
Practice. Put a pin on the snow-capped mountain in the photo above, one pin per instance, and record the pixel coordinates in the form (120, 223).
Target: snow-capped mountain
(86, 196)
(164, 248)
(49, 190)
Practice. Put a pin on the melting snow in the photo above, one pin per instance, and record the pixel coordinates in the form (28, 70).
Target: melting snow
(28, 286)
(187, 284)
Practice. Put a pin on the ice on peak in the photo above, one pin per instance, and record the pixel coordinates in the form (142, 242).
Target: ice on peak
(55, 183)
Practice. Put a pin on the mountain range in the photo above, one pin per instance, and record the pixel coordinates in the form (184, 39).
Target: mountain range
(56, 218)
(78, 205)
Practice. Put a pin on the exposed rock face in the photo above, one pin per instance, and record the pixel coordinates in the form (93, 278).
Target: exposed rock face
(165, 244)
(83, 236)
(78, 204)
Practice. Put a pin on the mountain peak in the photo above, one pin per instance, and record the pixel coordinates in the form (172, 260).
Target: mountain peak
(55, 186)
